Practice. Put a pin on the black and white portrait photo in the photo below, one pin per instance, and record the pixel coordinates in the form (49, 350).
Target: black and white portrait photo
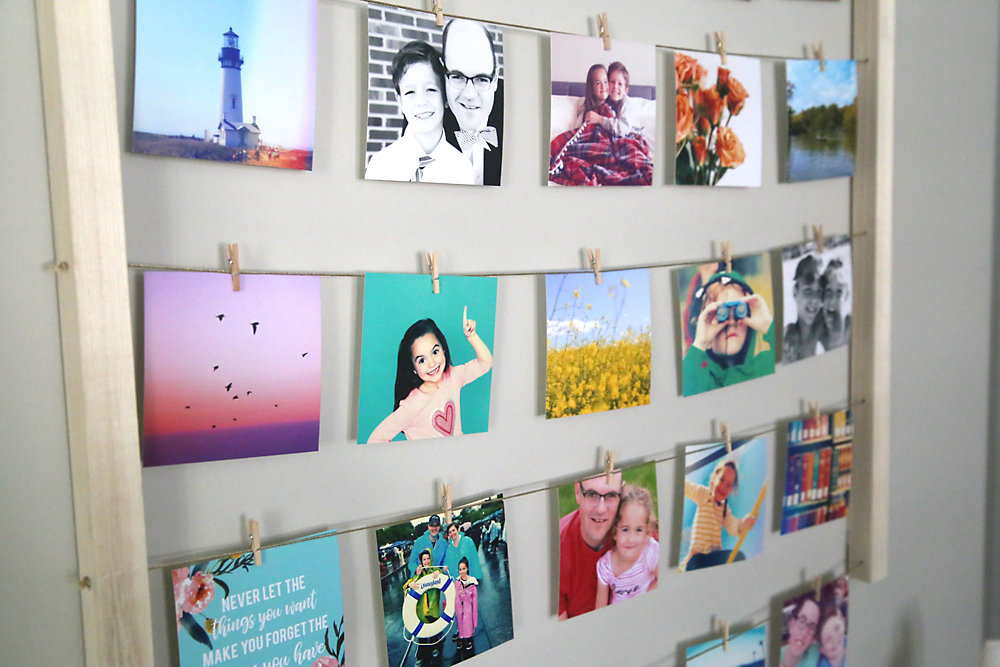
(817, 298)
(435, 99)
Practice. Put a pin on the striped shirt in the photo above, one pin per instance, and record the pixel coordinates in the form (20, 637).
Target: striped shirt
(706, 530)
(634, 580)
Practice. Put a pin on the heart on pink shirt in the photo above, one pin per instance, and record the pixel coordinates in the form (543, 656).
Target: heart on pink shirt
(444, 421)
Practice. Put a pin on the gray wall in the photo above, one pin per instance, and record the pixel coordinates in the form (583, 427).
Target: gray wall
(930, 609)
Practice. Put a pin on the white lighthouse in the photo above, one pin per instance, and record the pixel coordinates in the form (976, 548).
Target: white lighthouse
(232, 130)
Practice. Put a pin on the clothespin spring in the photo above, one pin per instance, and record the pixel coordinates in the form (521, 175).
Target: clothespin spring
(594, 256)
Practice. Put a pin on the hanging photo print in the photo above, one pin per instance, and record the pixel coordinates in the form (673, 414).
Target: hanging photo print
(609, 548)
(723, 503)
(817, 298)
(445, 586)
(603, 120)
(727, 323)
(425, 357)
(288, 610)
(435, 99)
(230, 375)
(598, 340)
(814, 628)
(719, 120)
(744, 649)
(226, 81)
(822, 119)
(818, 471)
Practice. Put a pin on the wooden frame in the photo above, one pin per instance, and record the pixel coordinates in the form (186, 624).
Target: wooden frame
(88, 220)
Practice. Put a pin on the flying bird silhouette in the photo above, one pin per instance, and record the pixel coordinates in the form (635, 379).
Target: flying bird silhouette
(234, 418)
(229, 386)
(235, 397)
(254, 325)
(304, 353)
(220, 316)
(187, 407)
(275, 405)
(249, 392)
(215, 368)
(213, 425)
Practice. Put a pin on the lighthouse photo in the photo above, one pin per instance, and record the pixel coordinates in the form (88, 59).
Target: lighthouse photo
(229, 81)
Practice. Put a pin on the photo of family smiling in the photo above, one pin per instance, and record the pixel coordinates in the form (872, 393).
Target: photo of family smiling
(435, 99)
(603, 116)
(609, 548)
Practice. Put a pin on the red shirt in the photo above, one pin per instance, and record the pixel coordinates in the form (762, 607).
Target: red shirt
(577, 568)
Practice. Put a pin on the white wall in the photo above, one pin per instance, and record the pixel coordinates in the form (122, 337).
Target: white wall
(929, 610)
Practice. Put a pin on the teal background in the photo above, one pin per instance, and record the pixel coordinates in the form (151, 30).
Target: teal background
(318, 560)
(752, 468)
(395, 301)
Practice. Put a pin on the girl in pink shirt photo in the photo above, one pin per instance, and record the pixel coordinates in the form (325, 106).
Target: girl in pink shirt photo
(632, 565)
(428, 387)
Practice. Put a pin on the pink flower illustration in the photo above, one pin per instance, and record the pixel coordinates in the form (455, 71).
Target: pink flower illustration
(326, 661)
(180, 577)
(197, 592)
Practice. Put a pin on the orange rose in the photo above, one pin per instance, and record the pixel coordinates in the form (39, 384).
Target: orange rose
(685, 117)
(722, 85)
(708, 104)
(704, 127)
(729, 148)
(737, 97)
(700, 149)
(687, 71)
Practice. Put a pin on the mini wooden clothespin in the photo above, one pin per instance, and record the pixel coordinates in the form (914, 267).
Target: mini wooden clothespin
(446, 502)
(438, 13)
(595, 263)
(819, 586)
(727, 256)
(818, 237)
(432, 266)
(255, 541)
(720, 45)
(609, 465)
(727, 437)
(233, 257)
(724, 629)
(818, 54)
(814, 410)
(603, 30)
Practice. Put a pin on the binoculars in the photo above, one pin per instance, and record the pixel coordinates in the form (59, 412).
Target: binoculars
(738, 309)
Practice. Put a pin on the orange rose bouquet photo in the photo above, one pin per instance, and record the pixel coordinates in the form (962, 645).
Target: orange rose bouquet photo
(719, 124)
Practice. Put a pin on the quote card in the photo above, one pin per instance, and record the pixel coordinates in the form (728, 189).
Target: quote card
(598, 342)
(609, 539)
(817, 290)
(814, 627)
(817, 471)
(727, 323)
(724, 512)
(446, 586)
(230, 374)
(287, 611)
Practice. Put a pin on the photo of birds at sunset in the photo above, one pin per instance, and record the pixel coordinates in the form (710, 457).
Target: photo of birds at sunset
(230, 374)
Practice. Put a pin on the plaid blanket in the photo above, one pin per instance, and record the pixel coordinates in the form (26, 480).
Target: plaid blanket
(592, 156)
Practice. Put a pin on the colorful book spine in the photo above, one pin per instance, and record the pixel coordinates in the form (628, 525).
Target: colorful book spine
(807, 467)
(816, 488)
(824, 472)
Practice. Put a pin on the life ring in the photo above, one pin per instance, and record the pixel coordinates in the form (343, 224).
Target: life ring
(428, 633)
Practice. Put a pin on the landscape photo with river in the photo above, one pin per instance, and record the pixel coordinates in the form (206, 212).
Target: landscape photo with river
(822, 119)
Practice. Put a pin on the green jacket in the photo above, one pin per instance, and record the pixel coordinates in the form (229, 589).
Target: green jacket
(702, 373)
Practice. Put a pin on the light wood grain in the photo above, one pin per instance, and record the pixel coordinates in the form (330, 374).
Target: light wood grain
(88, 224)
(871, 345)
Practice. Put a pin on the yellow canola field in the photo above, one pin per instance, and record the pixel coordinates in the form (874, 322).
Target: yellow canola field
(598, 376)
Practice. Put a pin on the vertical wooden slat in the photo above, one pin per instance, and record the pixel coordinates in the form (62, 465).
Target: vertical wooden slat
(874, 40)
(88, 223)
